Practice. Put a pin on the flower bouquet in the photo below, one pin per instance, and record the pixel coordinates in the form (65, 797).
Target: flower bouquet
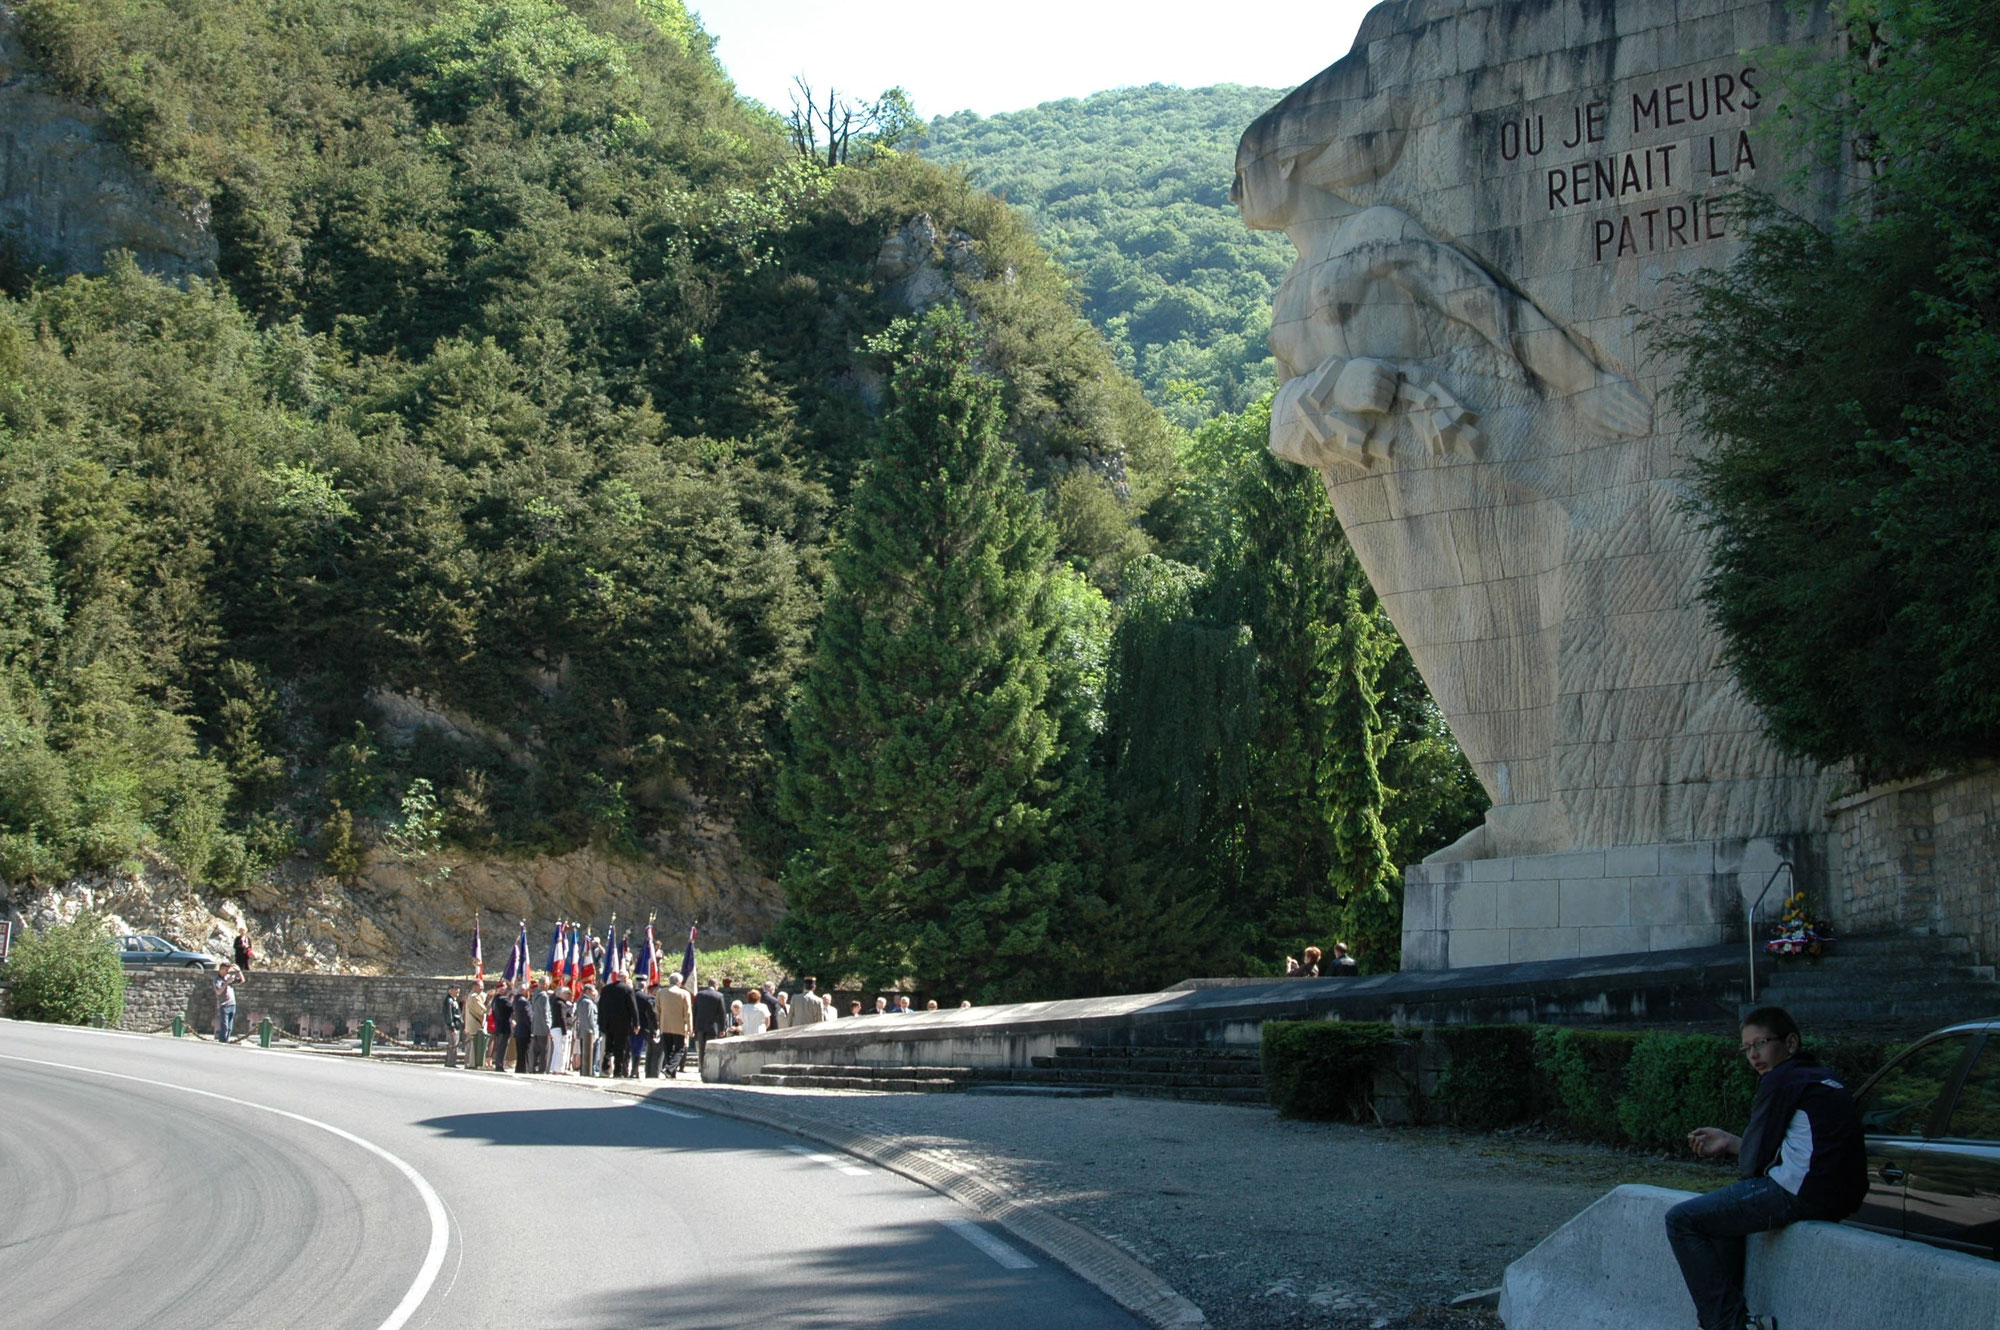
(1796, 933)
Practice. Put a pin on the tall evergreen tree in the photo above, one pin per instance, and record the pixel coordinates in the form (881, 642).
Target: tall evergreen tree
(924, 788)
(1366, 888)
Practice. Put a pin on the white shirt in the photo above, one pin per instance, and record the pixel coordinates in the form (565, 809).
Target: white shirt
(755, 1018)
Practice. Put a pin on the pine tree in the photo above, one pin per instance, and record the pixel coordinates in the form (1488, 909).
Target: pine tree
(1363, 878)
(924, 785)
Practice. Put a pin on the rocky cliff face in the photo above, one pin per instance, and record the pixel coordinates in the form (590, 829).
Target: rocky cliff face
(68, 194)
(417, 919)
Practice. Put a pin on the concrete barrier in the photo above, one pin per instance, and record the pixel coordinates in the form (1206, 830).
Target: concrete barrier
(1702, 985)
(1610, 1269)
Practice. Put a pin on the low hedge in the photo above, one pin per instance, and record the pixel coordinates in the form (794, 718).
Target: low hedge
(1622, 1087)
(1579, 1075)
(1490, 1081)
(1323, 1069)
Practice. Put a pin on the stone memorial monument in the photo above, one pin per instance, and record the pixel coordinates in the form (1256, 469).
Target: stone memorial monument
(1486, 200)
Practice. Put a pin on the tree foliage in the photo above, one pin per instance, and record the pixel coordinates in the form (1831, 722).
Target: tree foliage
(1270, 744)
(69, 974)
(1131, 190)
(1848, 375)
(513, 431)
(925, 787)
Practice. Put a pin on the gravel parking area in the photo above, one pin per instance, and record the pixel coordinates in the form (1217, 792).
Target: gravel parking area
(1261, 1222)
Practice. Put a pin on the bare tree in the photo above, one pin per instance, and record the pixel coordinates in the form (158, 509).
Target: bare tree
(826, 130)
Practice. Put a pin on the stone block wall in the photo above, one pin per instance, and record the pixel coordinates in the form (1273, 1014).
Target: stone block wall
(1919, 856)
(325, 1006)
(154, 997)
(1635, 898)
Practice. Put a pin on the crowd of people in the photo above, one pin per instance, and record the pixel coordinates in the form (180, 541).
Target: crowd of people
(626, 1029)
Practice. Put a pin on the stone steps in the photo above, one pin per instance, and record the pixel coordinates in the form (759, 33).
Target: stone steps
(1216, 1075)
(1904, 982)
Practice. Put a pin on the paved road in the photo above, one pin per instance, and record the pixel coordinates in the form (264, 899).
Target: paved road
(149, 1182)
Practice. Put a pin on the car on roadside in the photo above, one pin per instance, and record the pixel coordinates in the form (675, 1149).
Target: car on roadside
(1932, 1119)
(152, 949)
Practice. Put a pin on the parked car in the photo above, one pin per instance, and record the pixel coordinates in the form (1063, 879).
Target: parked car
(151, 949)
(1932, 1117)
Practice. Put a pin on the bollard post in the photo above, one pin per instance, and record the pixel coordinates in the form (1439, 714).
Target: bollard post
(180, 1026)
(264, 1033)
(479, 1048)
(367, 1036)
(98, 1021)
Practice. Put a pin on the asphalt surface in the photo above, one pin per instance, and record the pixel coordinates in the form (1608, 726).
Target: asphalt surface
(153, 1182)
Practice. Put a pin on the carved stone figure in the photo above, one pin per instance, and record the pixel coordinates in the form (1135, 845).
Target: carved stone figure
(1499, 474)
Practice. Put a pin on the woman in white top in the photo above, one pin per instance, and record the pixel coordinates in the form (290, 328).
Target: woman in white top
(756, 1016)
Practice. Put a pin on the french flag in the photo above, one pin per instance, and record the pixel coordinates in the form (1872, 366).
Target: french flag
(590, 952)
(687, 963)
(478, 959)
(554, 967)
(649, 959)
(575, 961)
(517, 959)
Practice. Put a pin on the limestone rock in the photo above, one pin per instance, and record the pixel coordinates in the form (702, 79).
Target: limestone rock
(1486, 200)
(918, 267)
(69, 194)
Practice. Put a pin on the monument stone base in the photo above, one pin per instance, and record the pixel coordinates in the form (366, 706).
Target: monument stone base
(1635, 898)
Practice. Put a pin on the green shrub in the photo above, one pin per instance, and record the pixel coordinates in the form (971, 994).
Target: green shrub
(1677, 1082)
(1852, 1060)
(1323, 1069)
(1490, 1079)
(1578, 1077)
(69, 974)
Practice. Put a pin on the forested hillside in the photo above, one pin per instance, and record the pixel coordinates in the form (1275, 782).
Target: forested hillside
(492, 494)
(1130, 188)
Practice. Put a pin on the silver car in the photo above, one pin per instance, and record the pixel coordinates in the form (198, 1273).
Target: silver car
(151, 949)
(1932, 1119)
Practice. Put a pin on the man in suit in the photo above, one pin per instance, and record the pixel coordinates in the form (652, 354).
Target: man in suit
(808, 1008)
(586, 1030)
(454, 1026)
(539, 1026)
(524, 1029)
(645, 1038)
(711, 1017)
(617, 1018)
(503, 1025)
(676, 1010)
(475, 1021)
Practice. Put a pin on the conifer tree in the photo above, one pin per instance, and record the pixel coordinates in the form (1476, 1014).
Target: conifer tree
(924, 789)
(1364, 879)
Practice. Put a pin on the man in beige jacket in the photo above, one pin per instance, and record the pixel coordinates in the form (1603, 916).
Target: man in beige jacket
(676, 1025)
(808, 1008)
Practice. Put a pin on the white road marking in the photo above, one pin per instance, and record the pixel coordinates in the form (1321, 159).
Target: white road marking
(831, 1161)
(1008, 1257)
(433, 1204)
(671, 1112)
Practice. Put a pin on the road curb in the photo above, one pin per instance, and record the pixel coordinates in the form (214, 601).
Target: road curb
(1099, 1263)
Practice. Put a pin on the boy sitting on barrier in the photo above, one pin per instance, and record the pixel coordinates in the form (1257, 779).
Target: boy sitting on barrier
(1802, 1158)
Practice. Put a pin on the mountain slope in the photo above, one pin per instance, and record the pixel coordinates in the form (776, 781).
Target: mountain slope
(1130, 188)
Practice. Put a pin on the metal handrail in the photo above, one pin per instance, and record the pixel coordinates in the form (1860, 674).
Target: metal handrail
(1750, 917)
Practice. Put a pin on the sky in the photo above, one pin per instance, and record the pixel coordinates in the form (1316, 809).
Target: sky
(1019, 53)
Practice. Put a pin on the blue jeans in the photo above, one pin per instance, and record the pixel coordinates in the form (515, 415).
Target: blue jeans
(1707, 1237)
(225, 1023)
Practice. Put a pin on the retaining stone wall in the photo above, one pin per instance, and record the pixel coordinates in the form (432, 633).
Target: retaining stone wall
(326, 1005)
(1920, 856)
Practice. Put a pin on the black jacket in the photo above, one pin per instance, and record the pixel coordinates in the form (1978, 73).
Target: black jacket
(649, 1013)
(617, 1012)
(711, 1013)
(524, 1021)
(1835, 1158)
